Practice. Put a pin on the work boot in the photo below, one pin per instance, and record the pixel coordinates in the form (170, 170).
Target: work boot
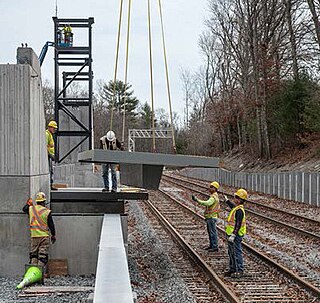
(238, 274)
(113, 190)
(228, 273)
(207, 248)
(105, 189)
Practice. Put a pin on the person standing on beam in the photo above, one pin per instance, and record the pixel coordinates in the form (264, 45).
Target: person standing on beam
(110, 142)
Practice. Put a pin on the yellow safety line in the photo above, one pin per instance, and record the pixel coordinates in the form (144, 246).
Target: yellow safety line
(151, 79)
(126, 71)
(167, 76)
(116, 65)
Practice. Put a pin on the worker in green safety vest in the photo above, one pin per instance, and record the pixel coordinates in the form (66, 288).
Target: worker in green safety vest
(41, 229)
(211, 215)
(52, 128)
(235, 230)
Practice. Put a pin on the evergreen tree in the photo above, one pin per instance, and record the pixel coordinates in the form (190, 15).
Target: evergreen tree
(119, 94)
(146, 115)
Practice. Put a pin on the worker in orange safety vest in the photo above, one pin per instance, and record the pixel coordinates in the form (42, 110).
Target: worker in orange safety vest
(41, 229)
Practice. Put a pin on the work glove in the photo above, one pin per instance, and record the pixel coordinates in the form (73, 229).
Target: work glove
(194, 198)
(231, 238)
(29, 202)
(51, 157)
(53, 239)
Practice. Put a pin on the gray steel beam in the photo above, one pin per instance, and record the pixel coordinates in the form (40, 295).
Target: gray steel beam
(63, 195)
(112, 278)
(88, 207)
(105, 156)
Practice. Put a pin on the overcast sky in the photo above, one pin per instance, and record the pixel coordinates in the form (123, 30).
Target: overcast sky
(31, 21)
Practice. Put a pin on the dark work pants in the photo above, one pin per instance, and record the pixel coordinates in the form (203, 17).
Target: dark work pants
(235, 255)
(105, 175)
(50, 169)
(212, 232)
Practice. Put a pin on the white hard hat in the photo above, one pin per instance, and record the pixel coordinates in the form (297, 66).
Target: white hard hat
(110, 135)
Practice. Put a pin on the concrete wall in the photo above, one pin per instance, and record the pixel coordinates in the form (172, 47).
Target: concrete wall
(78, 237)
(67, 124)
(77, 241)
(23, 156)
(297, 186)
(78, 175)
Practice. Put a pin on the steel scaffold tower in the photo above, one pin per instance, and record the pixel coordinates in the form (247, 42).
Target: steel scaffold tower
(72, 64)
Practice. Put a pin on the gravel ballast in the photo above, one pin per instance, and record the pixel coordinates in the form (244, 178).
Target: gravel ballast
(153, 275)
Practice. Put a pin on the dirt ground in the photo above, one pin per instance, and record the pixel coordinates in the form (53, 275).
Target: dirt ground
(305, 157)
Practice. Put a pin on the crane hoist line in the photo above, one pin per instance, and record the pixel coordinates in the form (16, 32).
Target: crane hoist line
(150, 67)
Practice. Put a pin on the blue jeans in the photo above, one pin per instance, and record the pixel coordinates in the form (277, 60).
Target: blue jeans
(50, 169)
(235, 255)
(105, 175)
(212, 232)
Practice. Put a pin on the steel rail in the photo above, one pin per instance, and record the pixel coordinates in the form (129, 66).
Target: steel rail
(297, 229)
(305, 284)
(249, 201)
(226, 291)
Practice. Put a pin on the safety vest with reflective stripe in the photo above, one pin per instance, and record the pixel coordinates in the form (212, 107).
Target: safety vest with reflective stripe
(50, 142)
(231, 220)
(213, 210)
(38, 217)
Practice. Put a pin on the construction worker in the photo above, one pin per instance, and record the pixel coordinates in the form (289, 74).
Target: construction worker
(41, 227)
(110, 142)
(68, 35)
(235, 230)
(52, 127)
(211, 214)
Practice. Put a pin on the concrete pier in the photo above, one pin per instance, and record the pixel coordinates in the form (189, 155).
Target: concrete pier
(23, 156)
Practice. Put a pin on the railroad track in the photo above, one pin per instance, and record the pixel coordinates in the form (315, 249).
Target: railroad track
(296, 250)
(307, 212)
(272, 214)
(264, 281)
(197, 282)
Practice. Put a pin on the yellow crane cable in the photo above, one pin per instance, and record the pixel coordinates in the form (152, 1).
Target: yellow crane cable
(116, 65)
(151, 79)
(167, 76)
(126, 71)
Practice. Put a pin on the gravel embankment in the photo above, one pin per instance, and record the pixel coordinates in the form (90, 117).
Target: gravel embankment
(153, 275)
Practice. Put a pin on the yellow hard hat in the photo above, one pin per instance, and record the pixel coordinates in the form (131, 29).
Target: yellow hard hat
(241, 193)
(41, 197)
(215, 184)
(53, 124)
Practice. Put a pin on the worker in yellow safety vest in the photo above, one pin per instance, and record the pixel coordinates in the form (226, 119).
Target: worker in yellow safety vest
(68, 35)
(52, 127)
(211, 215)
(41, 229)
(235, 230)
